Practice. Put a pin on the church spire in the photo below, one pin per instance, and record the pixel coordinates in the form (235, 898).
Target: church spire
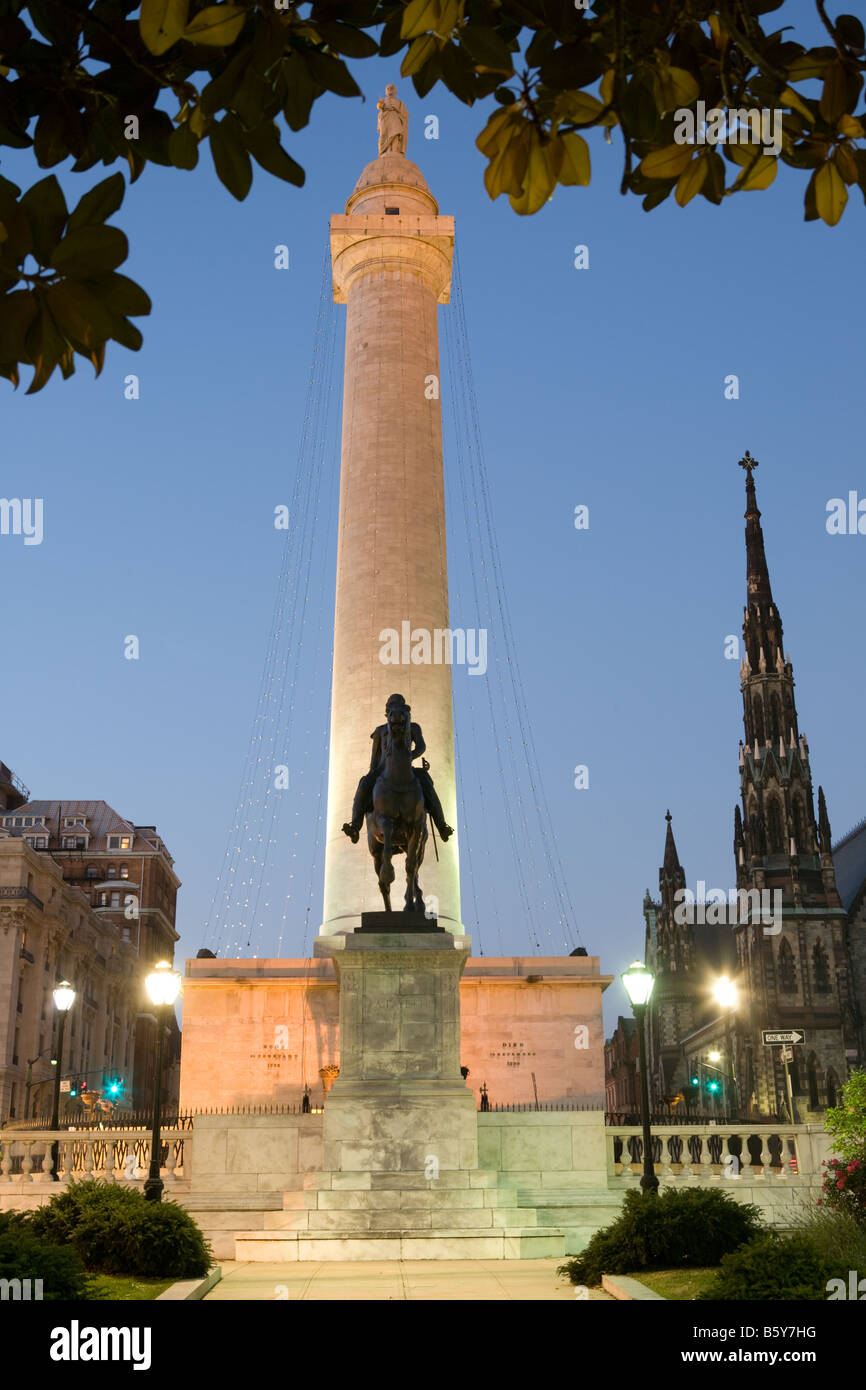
(776, 840)
(757, 574)
(671, 862)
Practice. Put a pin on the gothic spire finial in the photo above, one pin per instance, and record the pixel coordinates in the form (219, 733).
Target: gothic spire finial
(757, 573)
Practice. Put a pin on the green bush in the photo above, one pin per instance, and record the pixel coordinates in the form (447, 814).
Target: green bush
(25, 1256)
(846, 1123)
(837, 1236)
(772, 1268)
(694, 1226)
(115, 1230)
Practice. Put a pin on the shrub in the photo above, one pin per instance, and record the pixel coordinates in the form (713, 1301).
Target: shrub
(115, 1230)
(771, 1268)
(847, 1122)
(844, 1188)
(25, 1256)
(838, 1238)
(694, 1226)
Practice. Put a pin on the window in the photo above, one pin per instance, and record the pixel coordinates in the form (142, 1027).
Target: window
(120, 842)
(787, 970)
(68, 842)
(112, 872)
(392, 212)
(775, 843)
(821, 969)
(115, 900)
(124, 871)
(19, 820)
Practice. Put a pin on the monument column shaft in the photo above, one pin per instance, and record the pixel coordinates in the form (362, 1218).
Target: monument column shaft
(391, 564)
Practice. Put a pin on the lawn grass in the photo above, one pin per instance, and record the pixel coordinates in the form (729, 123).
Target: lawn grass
(676, 1283)
(128, 1288)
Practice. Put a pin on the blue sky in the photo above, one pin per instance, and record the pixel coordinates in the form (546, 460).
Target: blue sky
(603, 386)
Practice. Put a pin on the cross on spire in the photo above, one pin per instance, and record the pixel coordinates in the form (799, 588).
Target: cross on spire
(748, 463)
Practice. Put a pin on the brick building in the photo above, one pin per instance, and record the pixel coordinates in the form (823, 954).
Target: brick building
(88, 896)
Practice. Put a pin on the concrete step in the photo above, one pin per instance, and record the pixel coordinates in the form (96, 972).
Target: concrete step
(288, 1246)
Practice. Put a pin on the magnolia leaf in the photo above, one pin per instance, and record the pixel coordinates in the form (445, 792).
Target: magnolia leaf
(846, 164)
(230, 157)
(216, 26)
(420, 17)
(542, 169)
(46, 211)
(667, 163)
(420, 50)
(831, 195)
(575, 159)
(89, 251)
(691, 180)
(18, 312)
(161, 23)
(674, 87)
(760, 174)
(98, 205)
(852, 127)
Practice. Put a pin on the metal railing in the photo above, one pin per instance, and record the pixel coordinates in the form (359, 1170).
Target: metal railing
(22, 893)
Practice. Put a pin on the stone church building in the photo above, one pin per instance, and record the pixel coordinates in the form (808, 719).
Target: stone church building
(792, 933)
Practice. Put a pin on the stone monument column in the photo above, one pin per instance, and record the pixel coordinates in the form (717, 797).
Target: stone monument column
(391, 255)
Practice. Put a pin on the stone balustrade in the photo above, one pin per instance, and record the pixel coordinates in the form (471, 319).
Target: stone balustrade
(114, 1155)
(690, 1152)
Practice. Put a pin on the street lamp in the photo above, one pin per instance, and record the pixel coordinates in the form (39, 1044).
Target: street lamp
(725, 992)
(639, 983)
(163, 986)
(64, 998)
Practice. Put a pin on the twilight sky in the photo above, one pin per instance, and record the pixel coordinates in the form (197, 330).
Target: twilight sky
(602, 387)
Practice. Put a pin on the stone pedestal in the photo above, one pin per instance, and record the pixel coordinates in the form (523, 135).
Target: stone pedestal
(399, 1104)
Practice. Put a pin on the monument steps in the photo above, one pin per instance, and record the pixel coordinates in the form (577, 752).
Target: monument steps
(442, 1244)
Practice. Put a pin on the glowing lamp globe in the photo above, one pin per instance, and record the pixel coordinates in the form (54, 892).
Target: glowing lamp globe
(64, 996)
(163, 983)
(638, 983)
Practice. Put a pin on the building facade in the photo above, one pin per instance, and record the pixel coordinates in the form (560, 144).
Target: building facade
(791, 933)
(87, 896)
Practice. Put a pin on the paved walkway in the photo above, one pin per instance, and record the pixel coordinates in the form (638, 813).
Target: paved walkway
(462, 1280)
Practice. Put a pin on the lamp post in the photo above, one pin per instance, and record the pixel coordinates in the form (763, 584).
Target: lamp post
(725, 992)
(163, 987)
(64, 998)
(639, 983)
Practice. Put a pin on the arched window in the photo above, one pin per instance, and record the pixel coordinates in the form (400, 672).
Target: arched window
(775, 717)
(833, 1096)
(775, 841)
(799, 819)
(821, 969)
(758, 718)
(124, 871)
(91, 871)
(111, 872)
(787, 970)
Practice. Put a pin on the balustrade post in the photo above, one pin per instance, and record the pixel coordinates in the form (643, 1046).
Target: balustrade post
(27, 1162)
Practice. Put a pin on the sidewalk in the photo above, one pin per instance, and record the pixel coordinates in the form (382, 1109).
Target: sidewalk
(461, 1280)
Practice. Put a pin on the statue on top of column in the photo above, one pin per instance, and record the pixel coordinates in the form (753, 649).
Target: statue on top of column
(393, 123)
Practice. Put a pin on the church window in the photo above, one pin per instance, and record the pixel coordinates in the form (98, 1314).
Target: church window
(787, 969)
(775, 717)
(821, 969)
(832, 1088)
(758, 718)
(776, 844)
(799, 825)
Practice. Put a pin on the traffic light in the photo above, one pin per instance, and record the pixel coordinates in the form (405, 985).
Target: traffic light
(712, 1085)
(73, 1089)
(115, 1087)
(695, 1081)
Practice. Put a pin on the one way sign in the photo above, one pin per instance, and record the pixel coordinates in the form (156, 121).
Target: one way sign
(791, 1036)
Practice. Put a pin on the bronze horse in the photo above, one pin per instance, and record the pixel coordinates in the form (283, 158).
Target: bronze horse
(397, 823)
